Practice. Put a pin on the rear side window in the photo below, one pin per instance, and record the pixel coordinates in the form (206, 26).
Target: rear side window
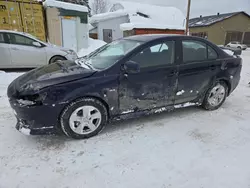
(194, 51)
(1, 38)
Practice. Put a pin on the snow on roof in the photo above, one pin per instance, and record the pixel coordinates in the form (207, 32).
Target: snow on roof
(130, 26)
(161, 16)
(209, 20)
(107, 15)
(66, 6)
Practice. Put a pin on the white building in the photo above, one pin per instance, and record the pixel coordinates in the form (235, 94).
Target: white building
(67, 24)
(130, 18)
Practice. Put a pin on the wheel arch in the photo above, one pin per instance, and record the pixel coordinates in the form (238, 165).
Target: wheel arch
(57, 56)
(227, 82)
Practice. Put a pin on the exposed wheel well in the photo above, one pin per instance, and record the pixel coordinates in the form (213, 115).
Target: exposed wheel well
(227, 83)
(97, 98)
(57, 56)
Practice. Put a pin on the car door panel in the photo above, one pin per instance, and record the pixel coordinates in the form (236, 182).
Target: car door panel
(25, 55)
(152, 87)
(5, 61)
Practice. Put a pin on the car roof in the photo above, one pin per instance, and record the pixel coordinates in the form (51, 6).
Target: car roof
(152, 37)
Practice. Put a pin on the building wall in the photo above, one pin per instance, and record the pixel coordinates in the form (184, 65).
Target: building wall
(113, 24)
(82, 34)
(217, 32)
(54, 26)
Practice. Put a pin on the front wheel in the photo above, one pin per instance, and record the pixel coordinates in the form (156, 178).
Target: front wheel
(215, 96)
(84, 118)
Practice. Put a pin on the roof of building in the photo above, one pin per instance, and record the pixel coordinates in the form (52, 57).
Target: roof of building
(64, 5)
(209, 20)
(108, 15)
(143, 15)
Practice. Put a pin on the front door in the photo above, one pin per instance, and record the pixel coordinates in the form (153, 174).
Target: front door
(5, 60)
(24, 53)
(69, 33)
(198, 67)
(107, 35)
(154, 85)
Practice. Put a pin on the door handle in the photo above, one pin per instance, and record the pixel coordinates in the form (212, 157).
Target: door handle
(14, 48)
(212, 67)
(172, 73)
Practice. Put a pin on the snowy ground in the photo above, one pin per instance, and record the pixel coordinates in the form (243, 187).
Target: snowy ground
(188, 148)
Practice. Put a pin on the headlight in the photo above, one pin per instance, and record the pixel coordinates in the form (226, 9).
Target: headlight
(71, 52)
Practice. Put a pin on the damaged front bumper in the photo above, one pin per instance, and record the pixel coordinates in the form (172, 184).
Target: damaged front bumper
(27, 129)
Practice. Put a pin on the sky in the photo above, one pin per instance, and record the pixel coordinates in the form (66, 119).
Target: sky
(205, 7)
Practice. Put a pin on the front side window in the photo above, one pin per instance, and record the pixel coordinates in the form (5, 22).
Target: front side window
(21, 40)
(109, 54)
(156, 55)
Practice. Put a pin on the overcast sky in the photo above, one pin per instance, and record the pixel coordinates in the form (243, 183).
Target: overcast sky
(205, 7)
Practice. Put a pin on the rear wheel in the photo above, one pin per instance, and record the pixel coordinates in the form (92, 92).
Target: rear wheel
(56, 58)
(215, 96)
(84, 118)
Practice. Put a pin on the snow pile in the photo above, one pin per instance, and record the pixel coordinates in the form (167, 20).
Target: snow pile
(93, 45)
(66, 6)
(108, 15)
(229, 52)
(150, 16)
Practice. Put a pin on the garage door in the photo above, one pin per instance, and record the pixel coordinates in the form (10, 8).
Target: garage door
(69, 33)
(246, 39)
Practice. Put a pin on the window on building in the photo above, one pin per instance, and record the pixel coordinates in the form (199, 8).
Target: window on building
(156, 55)
(200, 34)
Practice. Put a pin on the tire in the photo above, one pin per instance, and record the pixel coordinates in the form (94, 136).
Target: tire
(228, 46)
(239, 47)
(56, 58)
(80, 129)
(208, 100)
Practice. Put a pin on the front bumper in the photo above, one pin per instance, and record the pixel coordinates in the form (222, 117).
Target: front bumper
(37, 120)
(27, 129)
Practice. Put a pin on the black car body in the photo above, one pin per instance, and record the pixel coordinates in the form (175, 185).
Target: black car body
(177, 71)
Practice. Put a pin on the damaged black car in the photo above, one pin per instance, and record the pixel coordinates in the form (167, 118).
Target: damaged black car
(130, 77)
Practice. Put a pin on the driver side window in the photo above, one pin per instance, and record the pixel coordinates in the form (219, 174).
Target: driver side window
(156, 55)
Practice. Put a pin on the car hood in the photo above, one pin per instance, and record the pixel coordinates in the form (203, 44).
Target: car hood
(52, 74)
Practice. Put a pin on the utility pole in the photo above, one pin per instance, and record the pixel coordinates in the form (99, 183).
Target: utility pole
(188, 13)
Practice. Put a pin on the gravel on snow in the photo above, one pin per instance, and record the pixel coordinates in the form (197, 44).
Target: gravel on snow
(185, 148)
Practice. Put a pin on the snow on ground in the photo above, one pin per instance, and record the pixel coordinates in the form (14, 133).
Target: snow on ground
(93, 45)
(182, 149)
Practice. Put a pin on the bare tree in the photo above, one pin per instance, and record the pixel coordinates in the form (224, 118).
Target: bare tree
(99, 6)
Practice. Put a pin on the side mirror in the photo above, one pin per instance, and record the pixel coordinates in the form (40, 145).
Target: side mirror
(131, 67)
(36, 44)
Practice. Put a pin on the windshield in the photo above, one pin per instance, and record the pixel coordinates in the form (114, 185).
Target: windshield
(109, 54)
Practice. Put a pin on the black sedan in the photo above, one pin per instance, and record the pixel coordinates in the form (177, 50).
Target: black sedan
(130, 77)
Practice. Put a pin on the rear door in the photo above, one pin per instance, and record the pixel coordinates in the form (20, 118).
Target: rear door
(199, 65)
(24, 53)
(5, 57)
